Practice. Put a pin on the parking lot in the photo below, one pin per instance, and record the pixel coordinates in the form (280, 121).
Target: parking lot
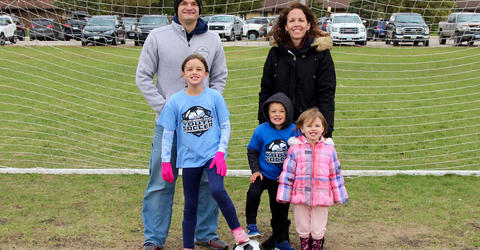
(434, 42)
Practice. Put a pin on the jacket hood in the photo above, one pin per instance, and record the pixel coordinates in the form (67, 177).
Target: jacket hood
(286, 102)
(321, 42)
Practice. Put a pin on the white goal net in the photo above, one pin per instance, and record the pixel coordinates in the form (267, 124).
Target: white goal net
(398, 107)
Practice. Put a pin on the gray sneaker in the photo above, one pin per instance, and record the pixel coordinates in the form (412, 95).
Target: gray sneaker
(214, 244)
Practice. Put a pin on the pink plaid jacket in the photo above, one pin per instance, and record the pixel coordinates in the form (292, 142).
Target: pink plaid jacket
(320, 185)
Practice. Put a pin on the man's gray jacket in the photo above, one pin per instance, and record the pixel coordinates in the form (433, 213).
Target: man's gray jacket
(163, 53)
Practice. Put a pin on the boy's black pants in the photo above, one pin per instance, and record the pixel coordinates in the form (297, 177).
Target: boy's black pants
(279, 222)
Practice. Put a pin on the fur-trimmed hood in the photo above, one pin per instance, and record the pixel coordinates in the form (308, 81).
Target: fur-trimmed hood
(321, 43)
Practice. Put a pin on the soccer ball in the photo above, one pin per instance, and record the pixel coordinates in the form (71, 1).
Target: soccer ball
(196, 112)
(278, 145)
(250, 245)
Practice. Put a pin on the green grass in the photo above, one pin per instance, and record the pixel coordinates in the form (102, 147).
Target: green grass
(104, 212)
(396, 108)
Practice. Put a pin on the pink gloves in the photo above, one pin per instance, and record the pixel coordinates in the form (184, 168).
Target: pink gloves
(219, 161)
(167, 173)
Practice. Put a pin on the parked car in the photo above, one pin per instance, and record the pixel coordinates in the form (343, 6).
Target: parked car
(104, 30)
(407, 27)
(377, 30)
(323, 22)
(347, 27)
(226, 26)
(7, 29)
(130, 24)
(46, 29)
(21, 30)
(270, 25)
(206, 18)
(146, 24)
(252, 28)
(460, 27)
(74, 25)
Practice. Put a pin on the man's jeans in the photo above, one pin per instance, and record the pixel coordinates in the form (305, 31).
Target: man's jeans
(158, 200)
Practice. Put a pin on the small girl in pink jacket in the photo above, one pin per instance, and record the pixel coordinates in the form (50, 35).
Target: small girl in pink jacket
(311, 179)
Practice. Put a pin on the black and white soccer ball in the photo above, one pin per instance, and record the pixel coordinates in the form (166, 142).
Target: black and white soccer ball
(278, 145)
(250, 245)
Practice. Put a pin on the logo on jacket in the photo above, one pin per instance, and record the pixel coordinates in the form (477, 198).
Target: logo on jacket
(196, 120)
(276, 152)
(202, 50)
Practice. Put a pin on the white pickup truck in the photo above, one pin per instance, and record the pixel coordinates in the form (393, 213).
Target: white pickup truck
(460, 26)
(7, 30)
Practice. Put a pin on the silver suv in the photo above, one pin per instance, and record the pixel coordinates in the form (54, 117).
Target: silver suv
(226, 26)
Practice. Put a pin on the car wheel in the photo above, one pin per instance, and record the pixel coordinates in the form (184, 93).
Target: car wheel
(2, 39)
(231, 37)
(442, 40)
(415, 43)
(395, 43)
(84, 43)
(13, 39)
(67, 38)
(115, 41)
(21, 35)
(426, 43)
(470, 43)
(252, 36)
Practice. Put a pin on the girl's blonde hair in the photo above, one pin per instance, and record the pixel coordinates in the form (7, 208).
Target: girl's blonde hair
(308, 116)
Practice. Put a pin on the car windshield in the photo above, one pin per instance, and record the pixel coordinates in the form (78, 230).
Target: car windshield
(346, 19)
(221, 19)
(3, 21)
(153, 20)
(409, 19)
(469, 18)
(101, 21)
(129, 20)
(41, 22)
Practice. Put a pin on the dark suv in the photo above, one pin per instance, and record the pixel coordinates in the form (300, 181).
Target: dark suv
(407, 27)
(377, 30)
(146, 24)
(46, 28)
(104, 30)
(74, 25)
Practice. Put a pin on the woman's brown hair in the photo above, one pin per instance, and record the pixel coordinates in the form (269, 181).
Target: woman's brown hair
(280, 34)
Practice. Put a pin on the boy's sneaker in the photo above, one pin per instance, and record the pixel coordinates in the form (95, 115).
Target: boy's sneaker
(253, 231)
(284, 245)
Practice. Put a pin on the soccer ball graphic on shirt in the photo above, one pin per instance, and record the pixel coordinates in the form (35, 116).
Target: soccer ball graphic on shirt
(250, 245)
(197, 120)
(276, 152)
(278, 145)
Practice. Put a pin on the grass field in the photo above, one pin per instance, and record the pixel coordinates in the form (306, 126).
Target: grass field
(104, 212)
(396, 108)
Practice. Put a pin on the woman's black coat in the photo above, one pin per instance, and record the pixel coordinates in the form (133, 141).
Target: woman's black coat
(306, 76)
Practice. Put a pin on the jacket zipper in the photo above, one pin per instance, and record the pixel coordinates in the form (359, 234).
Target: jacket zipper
(294, 75)
(313, 172)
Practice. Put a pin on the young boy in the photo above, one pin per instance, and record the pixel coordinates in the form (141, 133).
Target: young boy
(266, 153)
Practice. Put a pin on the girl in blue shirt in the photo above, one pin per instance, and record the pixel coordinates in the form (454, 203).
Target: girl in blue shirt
(200, 117)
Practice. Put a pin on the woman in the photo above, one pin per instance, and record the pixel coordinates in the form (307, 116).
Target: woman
(300, 65)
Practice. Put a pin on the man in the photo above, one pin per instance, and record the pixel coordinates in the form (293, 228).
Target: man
(162, 54)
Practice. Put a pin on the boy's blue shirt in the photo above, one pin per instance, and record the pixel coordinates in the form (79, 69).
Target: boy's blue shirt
(273, 147)
(196, 119)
